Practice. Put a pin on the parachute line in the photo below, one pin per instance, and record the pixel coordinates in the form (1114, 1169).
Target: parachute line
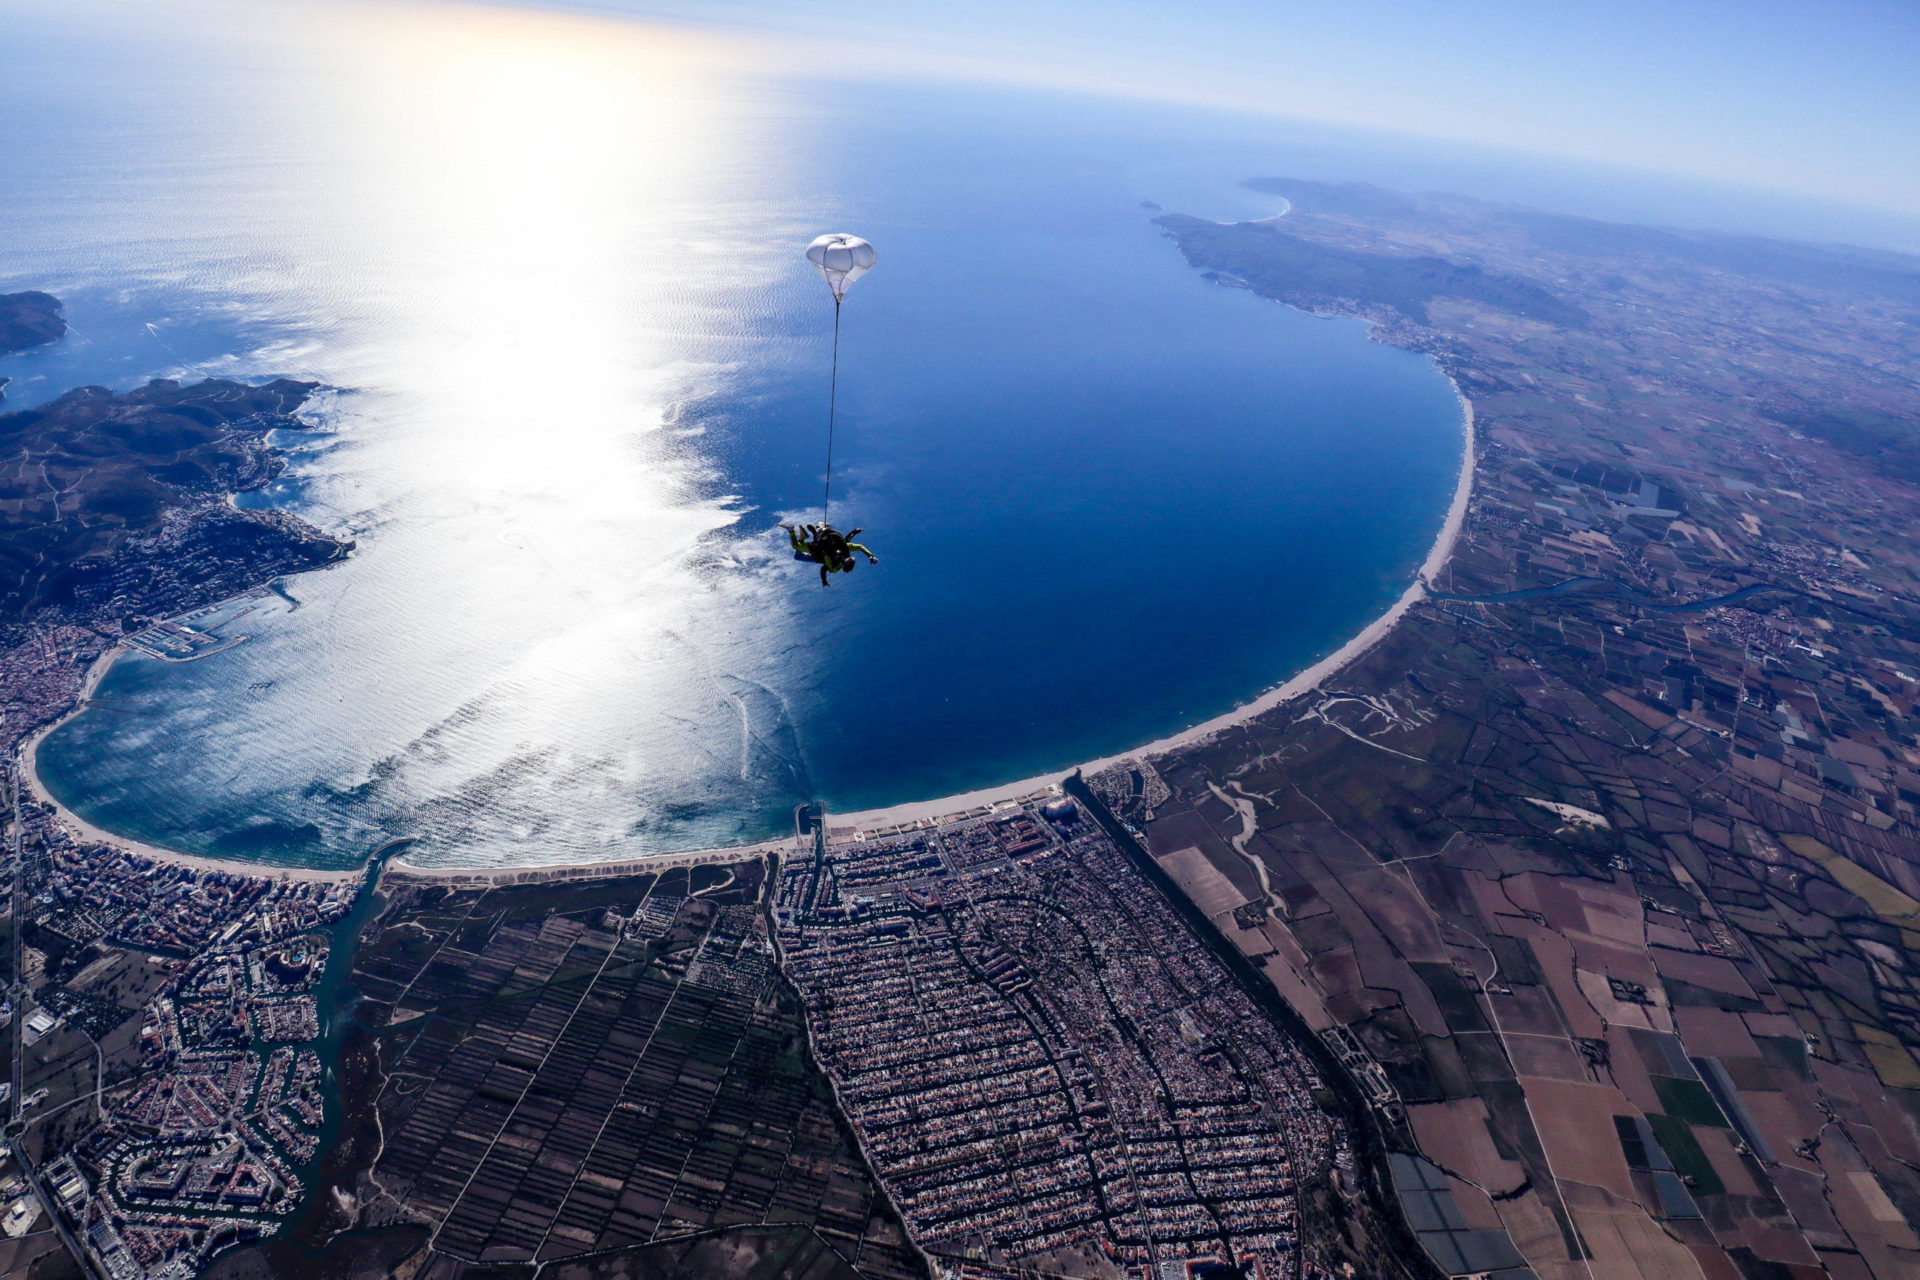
(833, 396)
(841, 259)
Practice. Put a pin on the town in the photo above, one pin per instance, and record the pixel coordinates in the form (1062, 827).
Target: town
(1045, 1068)
(169, 1094)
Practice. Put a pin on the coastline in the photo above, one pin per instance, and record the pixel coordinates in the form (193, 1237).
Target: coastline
(558, 872)
(28, 767)
(921, 812)
(912, 813)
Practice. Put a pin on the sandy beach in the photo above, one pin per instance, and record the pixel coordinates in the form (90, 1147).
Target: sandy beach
(847, 824)
(556, 872)
(397, 868)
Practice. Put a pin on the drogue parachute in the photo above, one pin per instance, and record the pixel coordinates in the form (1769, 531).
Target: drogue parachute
(841, 259)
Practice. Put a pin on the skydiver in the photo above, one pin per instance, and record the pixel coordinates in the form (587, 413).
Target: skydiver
(827, 547)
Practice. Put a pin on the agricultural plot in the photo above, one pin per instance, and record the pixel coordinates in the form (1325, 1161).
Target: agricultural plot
(605, 1069)
(1607, 858)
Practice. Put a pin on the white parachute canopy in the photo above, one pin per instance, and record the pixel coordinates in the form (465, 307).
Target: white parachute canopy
(842, 259)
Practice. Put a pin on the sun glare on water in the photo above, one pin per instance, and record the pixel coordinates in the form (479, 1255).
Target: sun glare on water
(532, 181)
(554, 206)
(520, 247)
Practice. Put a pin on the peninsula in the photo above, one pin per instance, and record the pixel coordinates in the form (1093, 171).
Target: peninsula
(29, 319)
(115, 514)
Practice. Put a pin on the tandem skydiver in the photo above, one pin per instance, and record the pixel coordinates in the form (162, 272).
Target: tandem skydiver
(827, 547)
(841, 259)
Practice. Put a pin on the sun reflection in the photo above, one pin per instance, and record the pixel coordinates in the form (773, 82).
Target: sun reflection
(537, 173)
(553, 221)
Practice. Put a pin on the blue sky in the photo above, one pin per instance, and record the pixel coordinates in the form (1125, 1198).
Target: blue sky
(1814, 99)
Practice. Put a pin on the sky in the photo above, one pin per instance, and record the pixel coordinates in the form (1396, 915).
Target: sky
(1818, 100)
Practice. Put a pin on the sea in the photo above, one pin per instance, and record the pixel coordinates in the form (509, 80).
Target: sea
(549, 271)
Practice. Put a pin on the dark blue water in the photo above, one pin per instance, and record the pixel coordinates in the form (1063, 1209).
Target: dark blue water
(581, 391)
(1097, 482)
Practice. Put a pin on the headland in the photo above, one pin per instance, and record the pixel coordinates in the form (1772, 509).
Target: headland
(30, 319)
(119, 508)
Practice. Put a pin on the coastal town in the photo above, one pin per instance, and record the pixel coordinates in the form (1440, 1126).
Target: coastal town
(169, 1095)
(1042, 1066)
(1045, 1068)
(164, 1090)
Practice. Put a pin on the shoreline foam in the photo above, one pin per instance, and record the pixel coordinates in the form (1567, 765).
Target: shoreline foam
(911, 813)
